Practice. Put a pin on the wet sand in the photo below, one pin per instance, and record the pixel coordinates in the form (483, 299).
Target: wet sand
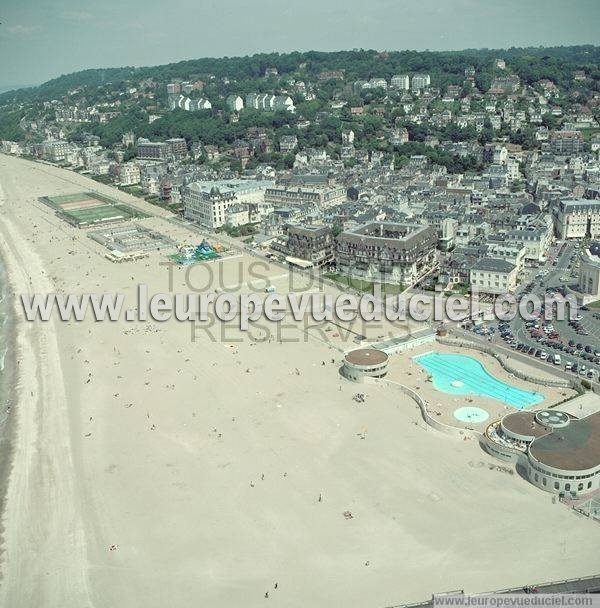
(151, 469)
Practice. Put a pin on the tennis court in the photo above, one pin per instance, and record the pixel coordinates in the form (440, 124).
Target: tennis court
(90, 209)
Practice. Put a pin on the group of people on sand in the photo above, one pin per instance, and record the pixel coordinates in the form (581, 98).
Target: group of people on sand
(275, 586)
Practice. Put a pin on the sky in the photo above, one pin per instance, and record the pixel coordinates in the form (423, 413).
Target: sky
(42, 39)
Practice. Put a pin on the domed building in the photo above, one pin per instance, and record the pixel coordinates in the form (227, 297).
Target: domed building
(559, 452)
(364, 362)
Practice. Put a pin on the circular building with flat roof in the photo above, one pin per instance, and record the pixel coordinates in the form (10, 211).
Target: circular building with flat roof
(364, 362)
(566, 460)
(524, 426)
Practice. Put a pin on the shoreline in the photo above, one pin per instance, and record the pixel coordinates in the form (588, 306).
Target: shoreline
(156, 467)
(9, 378)
(40, 478)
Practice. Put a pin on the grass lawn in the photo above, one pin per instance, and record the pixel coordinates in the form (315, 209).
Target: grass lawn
(595, 304)
(362, 285)
(135, 190)
(103, 179)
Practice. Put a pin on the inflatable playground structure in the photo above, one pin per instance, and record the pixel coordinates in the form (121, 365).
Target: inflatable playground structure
(193, 254)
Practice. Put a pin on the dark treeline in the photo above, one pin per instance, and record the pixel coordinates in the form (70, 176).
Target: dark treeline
(531, 64)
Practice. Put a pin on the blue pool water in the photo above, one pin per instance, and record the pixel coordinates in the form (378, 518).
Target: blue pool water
(471, 414)
(463, 375)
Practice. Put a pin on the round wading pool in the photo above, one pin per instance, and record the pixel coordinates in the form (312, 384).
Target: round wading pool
(471, 414)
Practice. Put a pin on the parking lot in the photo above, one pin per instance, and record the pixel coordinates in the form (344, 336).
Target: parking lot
(574, 345)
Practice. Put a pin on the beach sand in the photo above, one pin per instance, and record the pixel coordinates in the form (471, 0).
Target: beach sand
(201, 463)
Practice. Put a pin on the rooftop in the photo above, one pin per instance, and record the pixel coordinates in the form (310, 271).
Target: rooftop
(230, 185)
(391, 233)
(494, 265)
(575, 447)
(524, 423)
(584, 203)
(366, 356)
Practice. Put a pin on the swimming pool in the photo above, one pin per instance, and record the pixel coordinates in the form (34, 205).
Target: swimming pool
(471, 414)
(464, 375)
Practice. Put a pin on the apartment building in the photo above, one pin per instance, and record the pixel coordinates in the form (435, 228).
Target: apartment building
(55, 151)
(150, 150)
(314, 244)
(535, 241)
(177, 146)
(420, 82)
(401, 82)
(494, 276)
(273, 103)
(514, 252)
(289, 195)
(566, 142)
(235, 103)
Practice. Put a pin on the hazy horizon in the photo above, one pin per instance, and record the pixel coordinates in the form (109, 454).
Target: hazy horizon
(80, 35)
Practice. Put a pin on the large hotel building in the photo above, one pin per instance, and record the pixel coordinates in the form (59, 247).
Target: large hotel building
(577, 219)
(207, 202)
(386, 252)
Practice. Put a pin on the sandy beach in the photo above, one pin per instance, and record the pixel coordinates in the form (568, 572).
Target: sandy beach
(155, 467)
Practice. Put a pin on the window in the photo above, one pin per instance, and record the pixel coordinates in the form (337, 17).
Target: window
(557, 485)
(544, 481)
(537, 477)
(567, 487)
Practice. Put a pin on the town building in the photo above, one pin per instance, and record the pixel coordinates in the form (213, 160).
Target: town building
(420, 82)
(504, 85)
(55, 151)
(297, 195)
(401, 82)
(589, 271)
(128, 174)
(577, 219)
(399, 136)
(273, 103)
(128, 139)
(386, 252)
(566, 142)
(188, 104)
(493, 276)
(513, 252)
(235, 103)
(177, 146)
(288, 143)
(314, 244)
(535, 241)
(207, 202)
(152, 150)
